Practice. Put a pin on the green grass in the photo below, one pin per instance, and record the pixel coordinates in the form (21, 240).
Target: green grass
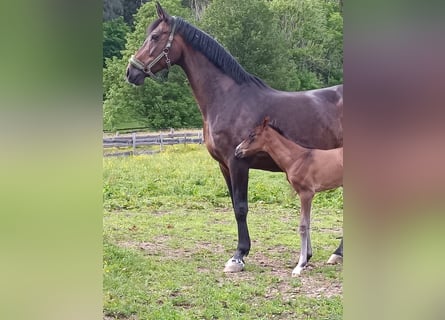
(169, 228)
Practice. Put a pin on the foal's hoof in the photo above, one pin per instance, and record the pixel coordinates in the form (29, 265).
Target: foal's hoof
(234, 265)
(334, 259)
(297, 271)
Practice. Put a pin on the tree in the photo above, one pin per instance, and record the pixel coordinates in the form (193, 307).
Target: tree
(114, 38)
(112, 9)
(249, 30)
(130, 8)
(197, 6)
(313, 31)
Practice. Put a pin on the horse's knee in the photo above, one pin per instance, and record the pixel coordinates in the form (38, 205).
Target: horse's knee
(303, 229)
(241, 210)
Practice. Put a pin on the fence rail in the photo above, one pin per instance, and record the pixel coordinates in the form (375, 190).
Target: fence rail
(141, 144)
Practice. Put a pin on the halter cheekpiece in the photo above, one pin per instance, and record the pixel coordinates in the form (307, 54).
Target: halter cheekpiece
(147, 69)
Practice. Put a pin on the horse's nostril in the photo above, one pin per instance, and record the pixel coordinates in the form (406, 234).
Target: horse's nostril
(128, 72)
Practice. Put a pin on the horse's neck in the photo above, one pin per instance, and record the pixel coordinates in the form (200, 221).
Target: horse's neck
(208, 83)
(284, 152)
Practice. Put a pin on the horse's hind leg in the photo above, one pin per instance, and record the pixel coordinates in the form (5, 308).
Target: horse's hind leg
(304, 230)
(337, 256)
(239, 175)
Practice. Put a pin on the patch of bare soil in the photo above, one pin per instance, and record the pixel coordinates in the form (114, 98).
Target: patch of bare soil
(160, 247)
(133, 317)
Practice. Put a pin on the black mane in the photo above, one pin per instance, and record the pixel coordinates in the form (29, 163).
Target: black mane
(216, 54)
(274, 126)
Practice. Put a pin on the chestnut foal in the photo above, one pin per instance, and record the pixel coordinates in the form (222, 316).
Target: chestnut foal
(308, 171)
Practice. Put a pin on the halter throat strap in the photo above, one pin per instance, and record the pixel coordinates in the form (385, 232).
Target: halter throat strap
(147, 69)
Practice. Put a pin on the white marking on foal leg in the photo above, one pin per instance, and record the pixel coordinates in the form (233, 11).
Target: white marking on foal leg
(234, 265)
(334, 259)
(297, 271)
(302, 261)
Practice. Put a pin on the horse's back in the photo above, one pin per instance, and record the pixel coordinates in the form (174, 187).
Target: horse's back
(326, 97)
(311, 118)
(332, 94)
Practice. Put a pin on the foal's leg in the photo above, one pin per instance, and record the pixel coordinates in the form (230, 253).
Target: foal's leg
(239, 174)
(309, 244)
(303, 228)
(337, 256)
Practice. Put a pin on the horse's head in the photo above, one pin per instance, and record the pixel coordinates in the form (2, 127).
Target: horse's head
(159, 51)
(254, 142)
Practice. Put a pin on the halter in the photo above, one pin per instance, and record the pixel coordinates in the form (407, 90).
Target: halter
(147, 69)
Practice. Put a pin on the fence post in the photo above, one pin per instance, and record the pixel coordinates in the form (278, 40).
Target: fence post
(161, 142)
(133, 137)
(185, 138)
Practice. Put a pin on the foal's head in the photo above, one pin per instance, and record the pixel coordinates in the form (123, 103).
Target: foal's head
(160, 50)
(254, 142)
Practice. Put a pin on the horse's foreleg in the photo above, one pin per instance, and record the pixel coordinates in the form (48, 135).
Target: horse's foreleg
(304, 230)
(239, 175)
(337, 256)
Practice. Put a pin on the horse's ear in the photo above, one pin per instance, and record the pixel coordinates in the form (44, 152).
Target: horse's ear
(266, 122)
(162, 14)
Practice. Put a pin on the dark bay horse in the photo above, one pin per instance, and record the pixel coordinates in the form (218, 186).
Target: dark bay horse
(307, 170)
(232, 102)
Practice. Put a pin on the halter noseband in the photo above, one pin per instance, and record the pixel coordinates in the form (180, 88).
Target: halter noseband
(147, 69)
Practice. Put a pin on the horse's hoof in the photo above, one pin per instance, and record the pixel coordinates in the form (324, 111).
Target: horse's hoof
(297, 271)
(334, 259)
(234, 265)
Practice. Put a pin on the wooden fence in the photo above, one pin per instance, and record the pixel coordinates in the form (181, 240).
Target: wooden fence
(143, 144)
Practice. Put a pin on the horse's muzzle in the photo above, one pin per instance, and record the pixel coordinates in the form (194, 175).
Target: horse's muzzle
(135, 76)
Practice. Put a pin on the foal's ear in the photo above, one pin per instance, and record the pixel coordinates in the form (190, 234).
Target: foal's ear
(162, 14)
(266, 122)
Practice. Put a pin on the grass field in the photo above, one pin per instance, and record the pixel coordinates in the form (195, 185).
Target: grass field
(169, 228)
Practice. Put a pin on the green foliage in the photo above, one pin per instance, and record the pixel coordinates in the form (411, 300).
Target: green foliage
(114, 37)
(313, 31)
(130, 8)
(154, 105)
(113, 9)
(249, 31)
(197, 6)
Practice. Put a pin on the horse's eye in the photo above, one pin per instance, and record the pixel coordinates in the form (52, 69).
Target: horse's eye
(154, 37)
